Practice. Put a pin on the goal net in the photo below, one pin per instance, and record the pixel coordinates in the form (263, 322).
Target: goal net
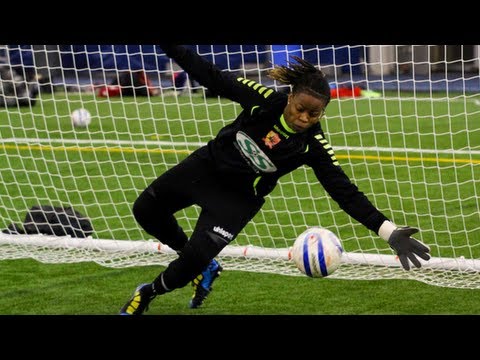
(403, 123)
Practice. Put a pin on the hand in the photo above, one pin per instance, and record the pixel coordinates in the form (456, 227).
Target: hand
(407, 247)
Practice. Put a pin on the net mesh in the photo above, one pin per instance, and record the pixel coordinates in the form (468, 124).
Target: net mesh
(402, 125)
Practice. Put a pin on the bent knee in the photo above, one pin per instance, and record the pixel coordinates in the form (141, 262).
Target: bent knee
(145, 206)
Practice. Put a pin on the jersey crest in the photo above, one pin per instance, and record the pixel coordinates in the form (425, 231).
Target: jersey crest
(271, 139)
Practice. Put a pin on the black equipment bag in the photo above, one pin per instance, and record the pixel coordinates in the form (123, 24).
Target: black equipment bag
(53, 220)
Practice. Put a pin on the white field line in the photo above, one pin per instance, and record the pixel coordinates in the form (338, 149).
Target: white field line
(99, 142)
(403, 99)
(176, 144)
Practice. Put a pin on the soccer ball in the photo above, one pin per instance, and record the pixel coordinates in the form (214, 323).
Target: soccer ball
(317, 252)
(81, 117)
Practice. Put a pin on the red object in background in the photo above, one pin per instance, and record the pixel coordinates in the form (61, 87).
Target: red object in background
(129, 83)
(109, 91)
(346, 92)
(144, 80)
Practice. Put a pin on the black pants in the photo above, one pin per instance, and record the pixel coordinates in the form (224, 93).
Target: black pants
(225, 211)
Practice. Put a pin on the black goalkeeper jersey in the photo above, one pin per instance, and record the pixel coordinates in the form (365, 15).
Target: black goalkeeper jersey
(256, 149)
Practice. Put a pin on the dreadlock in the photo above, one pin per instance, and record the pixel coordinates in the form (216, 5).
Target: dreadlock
(304, 77)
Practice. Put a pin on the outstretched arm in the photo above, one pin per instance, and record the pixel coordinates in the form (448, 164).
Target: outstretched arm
(221, 83)
(358, 206)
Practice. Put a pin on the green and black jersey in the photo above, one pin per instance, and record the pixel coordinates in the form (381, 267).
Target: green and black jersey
(258, 147)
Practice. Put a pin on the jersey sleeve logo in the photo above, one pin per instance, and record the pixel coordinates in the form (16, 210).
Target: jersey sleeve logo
(258, 159)
(271, 139)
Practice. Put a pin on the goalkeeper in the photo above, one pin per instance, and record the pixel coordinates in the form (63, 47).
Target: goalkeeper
(229, 177)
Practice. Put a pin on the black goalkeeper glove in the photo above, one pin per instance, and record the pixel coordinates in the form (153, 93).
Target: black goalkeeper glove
(407, 247)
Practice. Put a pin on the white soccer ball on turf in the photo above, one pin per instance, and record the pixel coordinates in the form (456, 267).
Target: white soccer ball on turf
(81, 117)
(317, 252)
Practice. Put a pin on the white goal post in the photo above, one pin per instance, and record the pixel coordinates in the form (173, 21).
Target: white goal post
(404, 127)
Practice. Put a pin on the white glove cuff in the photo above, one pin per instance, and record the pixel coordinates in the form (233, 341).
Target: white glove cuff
(386, 229)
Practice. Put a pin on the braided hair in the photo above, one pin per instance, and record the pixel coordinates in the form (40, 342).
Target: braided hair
(304, 77)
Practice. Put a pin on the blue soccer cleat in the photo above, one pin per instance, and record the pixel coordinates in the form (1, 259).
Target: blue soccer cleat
(202, 284)
(139, 301)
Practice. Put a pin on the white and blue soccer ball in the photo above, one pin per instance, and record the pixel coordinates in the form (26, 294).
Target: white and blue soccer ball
(317, 252)
(81, 117)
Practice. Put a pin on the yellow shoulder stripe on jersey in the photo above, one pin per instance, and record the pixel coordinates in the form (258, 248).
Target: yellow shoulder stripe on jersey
(267, 94)
(328, 148)
(258, 87)
(321, 139)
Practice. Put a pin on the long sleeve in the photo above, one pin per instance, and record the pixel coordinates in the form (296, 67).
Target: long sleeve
(351, 200)
(246, 92)
(339, 186)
